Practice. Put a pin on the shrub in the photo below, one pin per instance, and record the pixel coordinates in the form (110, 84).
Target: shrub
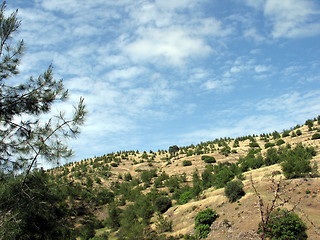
(309, 123)
(86, 231)
(315, 136)
(269, 144)
(299, 132)
(253, 144)
(186, 163)
(280, 142)
(275, 135)
(113, 164)
(234, 190)
(185, 197)
(163, 224)
(162, 204)
(203, 221)
(297, 164)
(284, 225)
(208, 159)
(203, 230)
(286, 133)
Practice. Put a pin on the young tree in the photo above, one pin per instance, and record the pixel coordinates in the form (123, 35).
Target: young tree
(285, 225)
(173, 150)
(28, 208)
(24, 134)
(234, 190)
(203, 221)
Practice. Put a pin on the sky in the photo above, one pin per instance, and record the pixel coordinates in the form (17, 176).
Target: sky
(157, 73)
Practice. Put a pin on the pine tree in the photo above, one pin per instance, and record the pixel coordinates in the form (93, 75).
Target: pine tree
(30, 206)
(25, 136)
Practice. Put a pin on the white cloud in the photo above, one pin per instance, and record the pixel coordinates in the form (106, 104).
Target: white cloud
(253, 124)
(255, 3)
(124, 73)
(225, 84)
(293, 18)
(166, 46)
(261, 68)
(299, 105)
(235, 69)
(253, 34)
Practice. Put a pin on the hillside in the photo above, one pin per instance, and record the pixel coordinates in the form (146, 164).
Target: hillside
(120, 180)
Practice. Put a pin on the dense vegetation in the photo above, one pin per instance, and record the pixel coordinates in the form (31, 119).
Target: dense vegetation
(285, 225)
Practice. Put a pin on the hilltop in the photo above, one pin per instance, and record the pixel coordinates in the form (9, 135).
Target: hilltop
(136, 195)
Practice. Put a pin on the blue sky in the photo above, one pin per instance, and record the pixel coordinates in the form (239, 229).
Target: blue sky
(159, 73)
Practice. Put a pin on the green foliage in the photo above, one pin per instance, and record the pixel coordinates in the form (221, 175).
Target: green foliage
(296, 167)
(225, 150)
(104, 196)
(173, 183)
(299, 132)
(223, 173)
(147, 175)
(285, 225)
(203, 230)
(236, 143)
(309, 123)
(163, 225)
(38, 212)
(113, 220)
(127, 177)
(251, 161)
(185, 197)
(297, 162)
(114, 164)
(315, 136)
(286, 133)
(162, 204)
(280, 142)
(272, 157)
(254, 144)
(87, 230)
(24, 141)
(173, 149)
(144, 155)
(158, 182)
(269, 144)
(203, 221)
(208, 159)
(186, 163)
(276, 135)
(234, 190)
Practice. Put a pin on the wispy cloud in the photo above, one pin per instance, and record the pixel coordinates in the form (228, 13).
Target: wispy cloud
(150, 71)
(296, 104)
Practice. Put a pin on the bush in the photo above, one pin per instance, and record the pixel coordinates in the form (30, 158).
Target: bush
(253, 144)
(269, 144)
(280, 142)
(315, 136)
(297, 163)
(284, 225)
(186, 163)
(162, 204)
(113, 164)
(234, 190)
(203, 230)
(299, 132)
(286, 134)
(163, 224)
(203, 221)
(185, 197)
(208, 159)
